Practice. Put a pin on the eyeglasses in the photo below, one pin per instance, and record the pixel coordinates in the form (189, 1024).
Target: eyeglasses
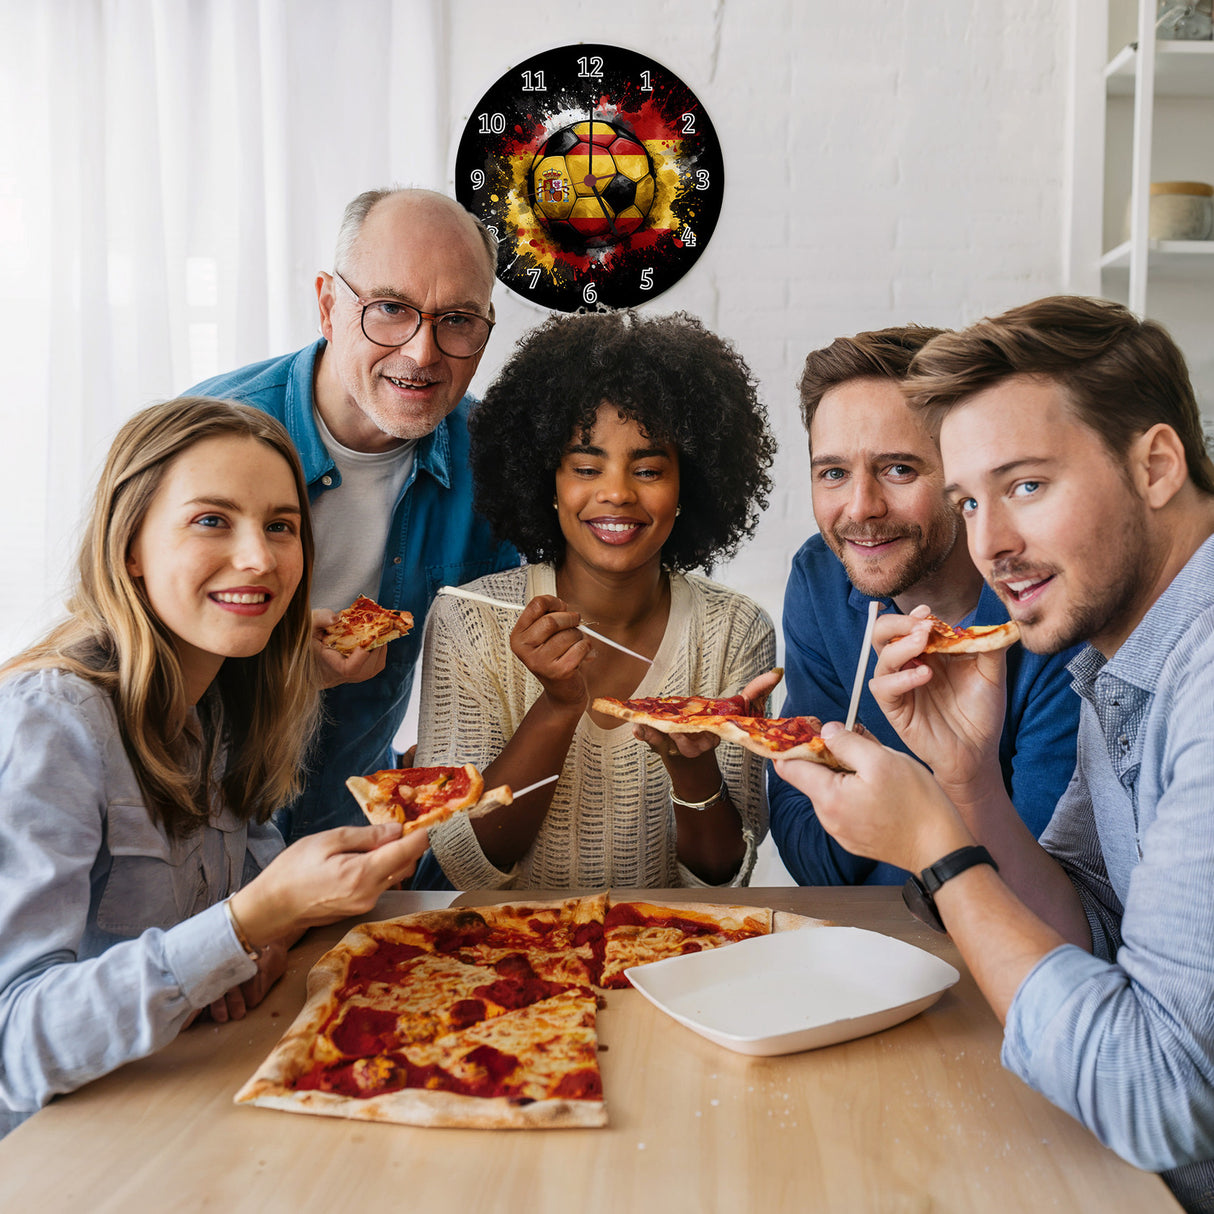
(392, 322)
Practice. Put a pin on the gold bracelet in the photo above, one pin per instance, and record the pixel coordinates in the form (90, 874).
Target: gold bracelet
(253, 954)
(719, 795)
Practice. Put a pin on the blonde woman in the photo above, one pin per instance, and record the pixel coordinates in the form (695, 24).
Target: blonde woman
(143, 745)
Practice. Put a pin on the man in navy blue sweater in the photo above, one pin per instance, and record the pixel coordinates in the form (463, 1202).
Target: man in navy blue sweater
(887, 533)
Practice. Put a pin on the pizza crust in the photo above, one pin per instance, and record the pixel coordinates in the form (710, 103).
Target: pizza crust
(790, 921)
(418, 1107)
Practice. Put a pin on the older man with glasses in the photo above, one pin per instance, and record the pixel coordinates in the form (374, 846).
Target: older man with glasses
(378, 412)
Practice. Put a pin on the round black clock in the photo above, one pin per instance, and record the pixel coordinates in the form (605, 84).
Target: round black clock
(599, 172)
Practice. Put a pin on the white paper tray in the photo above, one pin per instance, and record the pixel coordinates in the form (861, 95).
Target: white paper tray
(796, 990)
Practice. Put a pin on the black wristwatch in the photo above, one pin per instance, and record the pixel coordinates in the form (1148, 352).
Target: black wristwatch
(919, 892)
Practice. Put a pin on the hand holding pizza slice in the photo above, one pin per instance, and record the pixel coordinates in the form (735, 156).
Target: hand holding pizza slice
(949, 713)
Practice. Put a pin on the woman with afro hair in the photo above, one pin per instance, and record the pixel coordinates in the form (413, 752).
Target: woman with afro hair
(617, 452)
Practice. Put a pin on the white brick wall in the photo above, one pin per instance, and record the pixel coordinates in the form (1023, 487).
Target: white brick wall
(886, 161)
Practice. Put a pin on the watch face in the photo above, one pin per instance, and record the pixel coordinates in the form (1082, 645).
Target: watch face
(599, 172)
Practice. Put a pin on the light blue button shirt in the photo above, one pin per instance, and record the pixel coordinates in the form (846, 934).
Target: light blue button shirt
(112, 933)
(1123, 1038)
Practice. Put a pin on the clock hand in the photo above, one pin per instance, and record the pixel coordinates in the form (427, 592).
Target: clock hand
(591, 180)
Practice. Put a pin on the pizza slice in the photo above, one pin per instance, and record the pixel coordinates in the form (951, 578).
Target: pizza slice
(545, 1049)
(771, 737)
(979, 638)
(781, 738)
(674, 714)
(420, 797)
(366, 625)
(536, 1066)
(636, 933)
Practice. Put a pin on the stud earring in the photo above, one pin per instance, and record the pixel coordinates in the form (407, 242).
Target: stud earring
(677, 511)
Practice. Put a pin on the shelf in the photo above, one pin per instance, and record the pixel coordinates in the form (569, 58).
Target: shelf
(1168, 258)
(1182, 69)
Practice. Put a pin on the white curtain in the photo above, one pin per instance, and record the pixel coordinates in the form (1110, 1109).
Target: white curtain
(172, 173)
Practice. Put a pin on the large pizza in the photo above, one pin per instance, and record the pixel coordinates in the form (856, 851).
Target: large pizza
(482, 1017)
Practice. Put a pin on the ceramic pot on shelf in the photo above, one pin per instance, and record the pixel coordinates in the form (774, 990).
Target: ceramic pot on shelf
(1180, 210)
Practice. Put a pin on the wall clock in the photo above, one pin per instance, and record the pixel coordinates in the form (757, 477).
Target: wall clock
(598, 170)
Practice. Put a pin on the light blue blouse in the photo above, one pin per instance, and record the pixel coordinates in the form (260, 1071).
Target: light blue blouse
(112, 932)
(1123, 1037)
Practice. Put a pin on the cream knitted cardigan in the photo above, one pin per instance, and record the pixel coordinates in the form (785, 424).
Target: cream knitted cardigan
(610, 820)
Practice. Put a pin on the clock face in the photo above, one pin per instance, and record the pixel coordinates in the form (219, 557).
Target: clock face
(599, 172)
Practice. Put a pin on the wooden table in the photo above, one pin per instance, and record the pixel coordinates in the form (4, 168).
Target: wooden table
(919, 1117)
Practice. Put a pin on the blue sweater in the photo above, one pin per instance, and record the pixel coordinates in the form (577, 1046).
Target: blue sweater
(824, 622)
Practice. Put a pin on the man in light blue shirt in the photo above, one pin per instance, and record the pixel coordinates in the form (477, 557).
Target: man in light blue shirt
(1073, 449)
(378, 412)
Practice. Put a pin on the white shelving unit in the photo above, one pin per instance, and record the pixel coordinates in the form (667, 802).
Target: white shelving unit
(1182, 69)
(1161, 255)
(1142, 110)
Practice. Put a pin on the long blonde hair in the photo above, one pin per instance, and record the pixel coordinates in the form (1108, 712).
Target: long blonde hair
(260, 712)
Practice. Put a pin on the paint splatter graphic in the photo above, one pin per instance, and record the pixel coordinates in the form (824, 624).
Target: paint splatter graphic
(600, 173)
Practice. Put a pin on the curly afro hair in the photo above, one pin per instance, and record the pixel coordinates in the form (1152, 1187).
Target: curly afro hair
(680, 383)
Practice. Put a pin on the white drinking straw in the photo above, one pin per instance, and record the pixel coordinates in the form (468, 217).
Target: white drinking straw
(873, 608)
(598, 636)
(522, 792)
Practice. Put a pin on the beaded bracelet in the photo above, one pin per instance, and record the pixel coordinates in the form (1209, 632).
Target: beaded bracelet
(706, 804)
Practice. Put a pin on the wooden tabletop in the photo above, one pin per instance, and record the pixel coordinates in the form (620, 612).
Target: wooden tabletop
(921, 1116)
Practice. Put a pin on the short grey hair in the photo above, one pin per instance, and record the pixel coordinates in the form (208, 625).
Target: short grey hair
(356, 212)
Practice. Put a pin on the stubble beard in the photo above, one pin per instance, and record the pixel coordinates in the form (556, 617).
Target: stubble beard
(395, 418)
(930, 551)
(1111, 596)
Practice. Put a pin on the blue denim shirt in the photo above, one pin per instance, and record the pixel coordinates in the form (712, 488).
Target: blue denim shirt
(436, 539)
(1123, 1038)
(111, 932)
(824, 622)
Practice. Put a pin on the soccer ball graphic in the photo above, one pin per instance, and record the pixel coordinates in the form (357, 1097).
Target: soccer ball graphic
(591, 184)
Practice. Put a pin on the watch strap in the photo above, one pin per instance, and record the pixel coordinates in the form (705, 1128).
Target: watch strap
(955, 863)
